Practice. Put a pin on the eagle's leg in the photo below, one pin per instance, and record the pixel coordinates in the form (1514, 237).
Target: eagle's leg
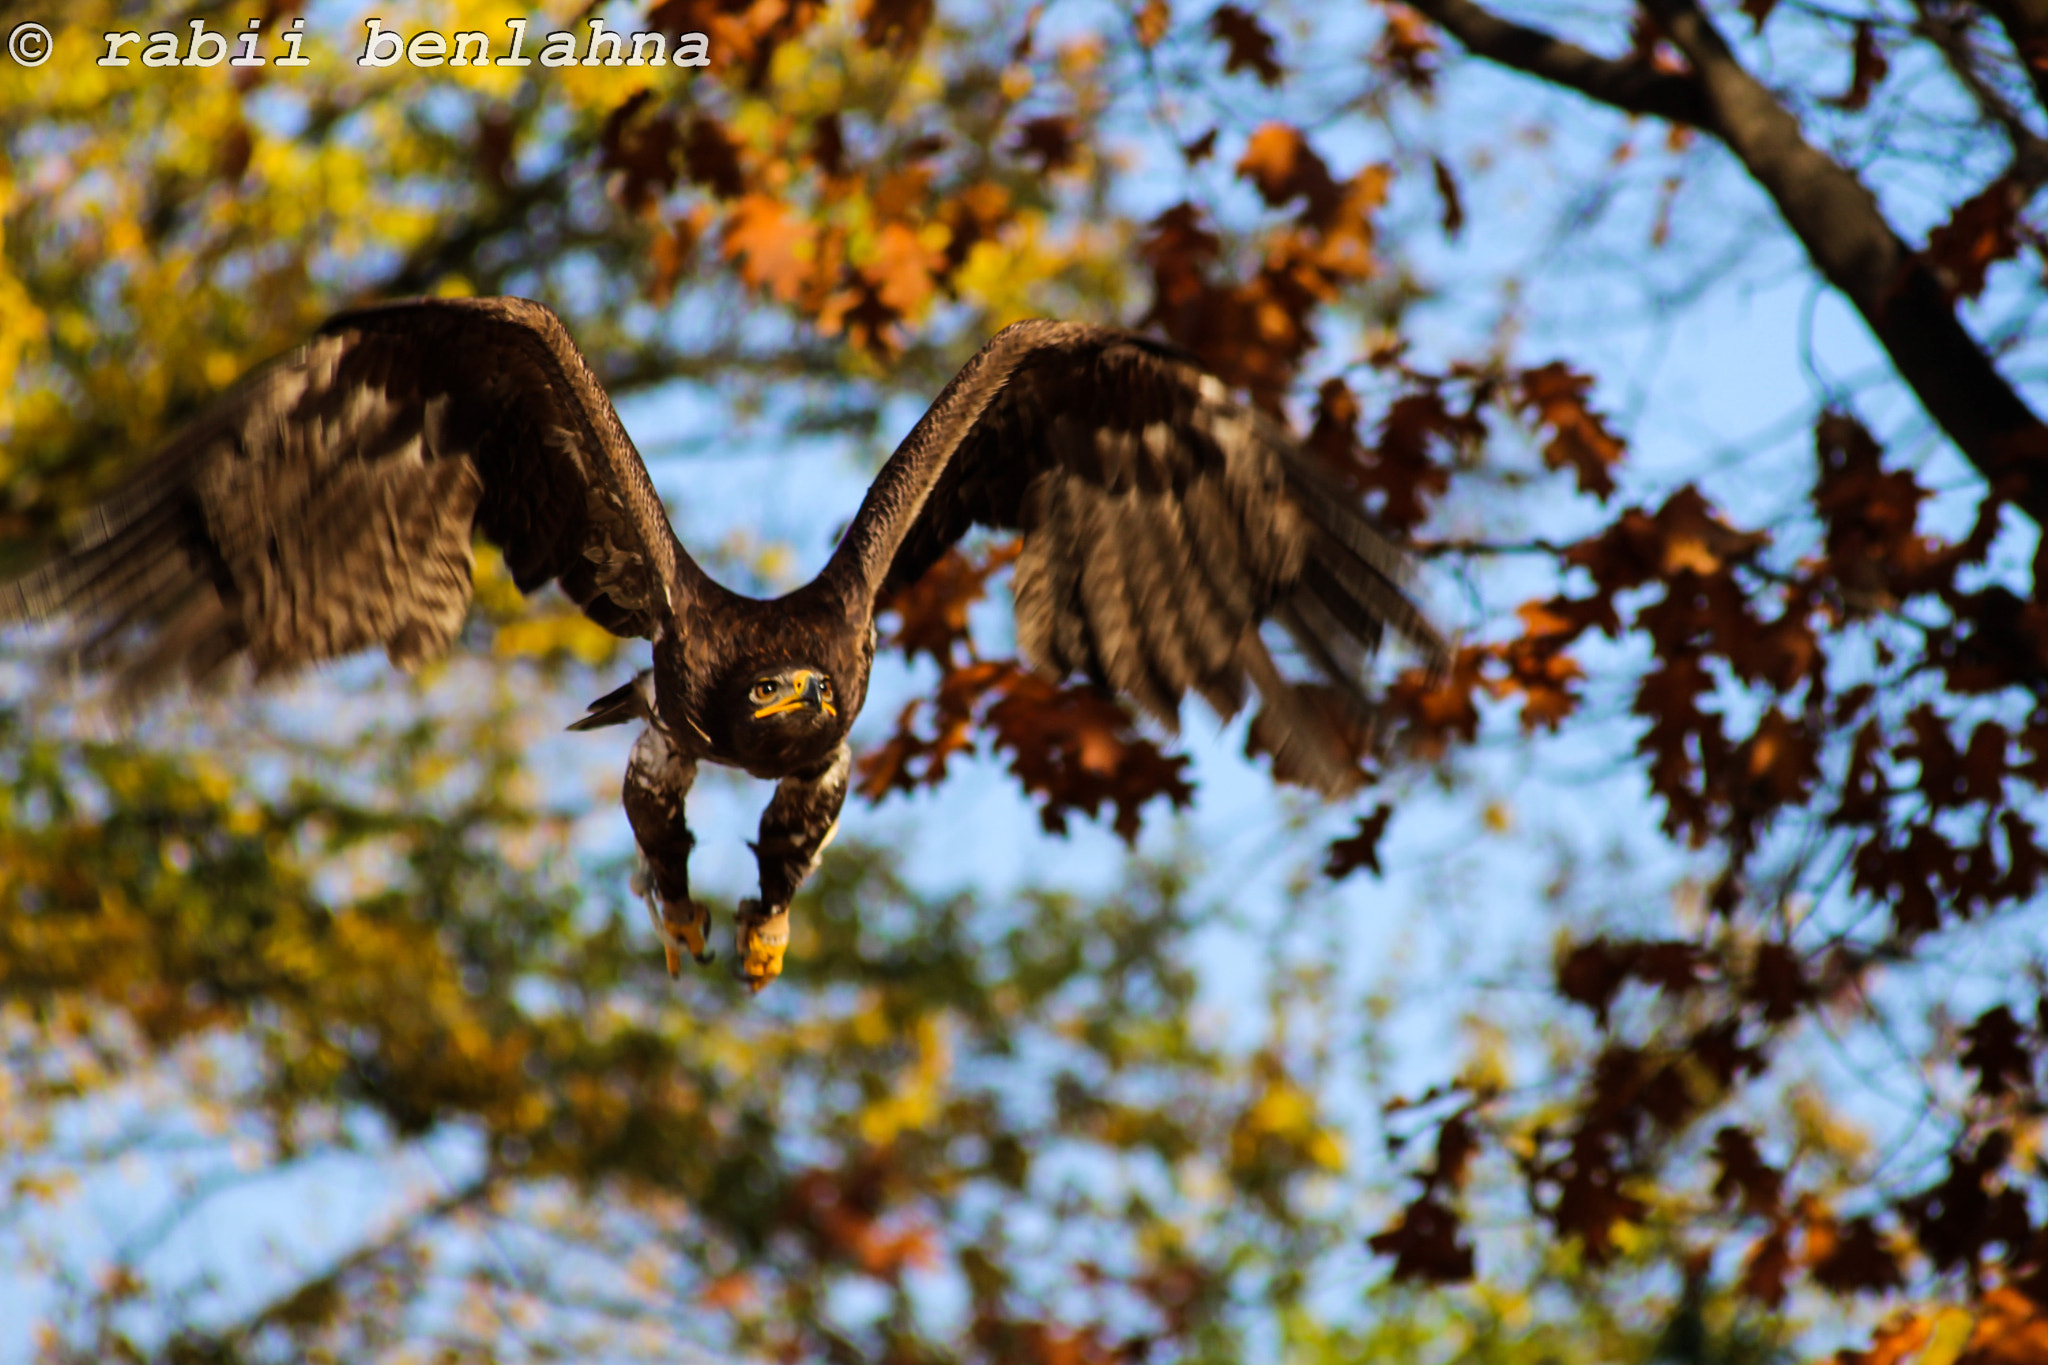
(657, 781)
(799, 822)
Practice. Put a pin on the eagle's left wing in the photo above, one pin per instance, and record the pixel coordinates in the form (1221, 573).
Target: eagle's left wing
(1163, 524)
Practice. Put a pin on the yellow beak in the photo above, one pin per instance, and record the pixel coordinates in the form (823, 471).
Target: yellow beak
(809, 688)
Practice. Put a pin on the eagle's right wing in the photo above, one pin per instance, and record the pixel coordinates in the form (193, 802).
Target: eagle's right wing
(327, 504)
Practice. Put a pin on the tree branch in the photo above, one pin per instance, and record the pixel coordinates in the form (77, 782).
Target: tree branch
(227, 1342)
(2026, 24)
(1951, 35)
(1836, 219)
(1629, 86)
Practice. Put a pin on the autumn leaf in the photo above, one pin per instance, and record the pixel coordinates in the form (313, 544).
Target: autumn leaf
(1251, 47)
(904, 269)
(1853, 1258)
(1781, 758)
(1077, 749)
(1073, 747)
(1427, 1243)
(898, 25)
(1280, 163)
(931, 613)
(1407, 469)
(712, 158)
(1778, 982)
(1151, 22)
(1867, 67)
(1766, 1266)
(1970, 1208)
(1745, 1178)
(1406, 49)
(828, 144)
(1982, 231)
(2010, 1329)
(1555, 397)
(1453, 216)
(642, 145)
(1049, 140)
(1896, 1341)
(1360, 848)
(769, 245)
(1995, 1049)
(1592, 974)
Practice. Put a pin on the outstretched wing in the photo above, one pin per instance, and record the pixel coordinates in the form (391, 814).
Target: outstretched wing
(327, 503)
(1163, 524)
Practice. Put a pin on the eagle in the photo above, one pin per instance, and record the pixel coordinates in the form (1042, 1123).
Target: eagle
(329, 502)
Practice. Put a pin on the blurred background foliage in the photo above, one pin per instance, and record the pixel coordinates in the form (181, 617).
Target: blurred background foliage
(254, 948)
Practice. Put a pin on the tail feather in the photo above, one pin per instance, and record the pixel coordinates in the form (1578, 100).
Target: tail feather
(622, 705)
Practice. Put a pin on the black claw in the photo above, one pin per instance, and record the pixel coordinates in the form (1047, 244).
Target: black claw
(707, 957)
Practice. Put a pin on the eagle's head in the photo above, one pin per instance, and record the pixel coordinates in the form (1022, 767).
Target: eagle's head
(782, 714)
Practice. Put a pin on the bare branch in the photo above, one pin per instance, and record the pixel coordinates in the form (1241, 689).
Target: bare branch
(1847, 237)
(1633, 87)
(1951, 36)
(1834, 216)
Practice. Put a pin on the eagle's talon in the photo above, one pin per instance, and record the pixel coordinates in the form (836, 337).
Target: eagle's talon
(682, 926)
(761, 938)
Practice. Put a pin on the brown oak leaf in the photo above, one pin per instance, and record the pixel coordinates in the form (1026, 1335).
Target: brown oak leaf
(1251, 47)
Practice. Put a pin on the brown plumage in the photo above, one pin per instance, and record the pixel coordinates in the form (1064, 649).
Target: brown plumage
(329, 501)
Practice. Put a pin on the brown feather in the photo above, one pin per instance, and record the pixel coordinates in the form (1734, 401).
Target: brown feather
(1162, 523)
(328, 502)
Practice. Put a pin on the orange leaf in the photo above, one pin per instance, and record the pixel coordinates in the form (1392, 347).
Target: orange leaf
(903, 270)
(728, 1291)
(1152, 21)
(770, 245)
(1279, 161)
(2011, 1329)
(1900, 1337)
(1555, 397)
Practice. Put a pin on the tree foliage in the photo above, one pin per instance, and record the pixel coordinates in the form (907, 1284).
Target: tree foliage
(238, 945)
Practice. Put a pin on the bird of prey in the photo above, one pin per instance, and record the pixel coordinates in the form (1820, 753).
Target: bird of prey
(329, 501)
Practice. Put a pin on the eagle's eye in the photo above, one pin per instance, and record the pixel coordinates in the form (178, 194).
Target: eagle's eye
(824, 689)
(763, 692)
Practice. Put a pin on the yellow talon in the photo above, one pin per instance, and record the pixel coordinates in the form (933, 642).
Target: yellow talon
(686, 923)
(761, 939)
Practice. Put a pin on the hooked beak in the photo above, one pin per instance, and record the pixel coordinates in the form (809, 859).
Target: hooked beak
(810, 691)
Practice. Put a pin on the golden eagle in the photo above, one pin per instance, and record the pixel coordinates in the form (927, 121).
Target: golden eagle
(329, 501)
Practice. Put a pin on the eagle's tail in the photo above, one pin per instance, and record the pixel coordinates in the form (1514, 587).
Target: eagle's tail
(622, 706)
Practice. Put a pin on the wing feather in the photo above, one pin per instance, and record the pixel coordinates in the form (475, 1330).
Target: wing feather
(1163, 525)
(1170, 611)
(1056, 640)
(329, 501)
